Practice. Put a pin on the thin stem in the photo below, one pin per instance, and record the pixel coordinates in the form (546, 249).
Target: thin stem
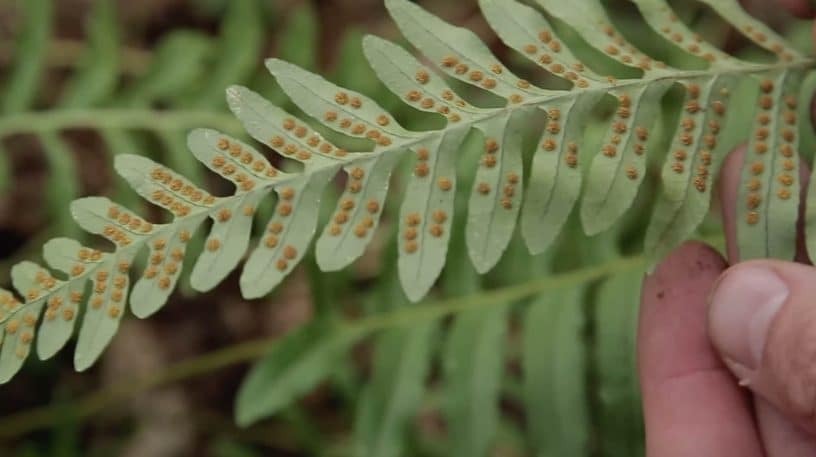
(100, 119)
(91, 404)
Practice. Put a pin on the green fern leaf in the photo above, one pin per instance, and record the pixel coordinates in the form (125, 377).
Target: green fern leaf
(344, 240)
(473, 352)
(695, 157)
(768, 210)
(30, 280)
(21, 84)
(291, 369)
(553, 363)
(616, 315)
(768, 202)
(617, 172)
(392, 397)
(465, 56)
(289, 236)
(96, 78)
(496, 197)
(59, 320)
(238, 50)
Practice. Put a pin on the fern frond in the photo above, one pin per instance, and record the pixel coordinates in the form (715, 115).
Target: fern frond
(616, 312)
(612, 181)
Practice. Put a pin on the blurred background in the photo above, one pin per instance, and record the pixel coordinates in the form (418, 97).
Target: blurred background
(83, 80)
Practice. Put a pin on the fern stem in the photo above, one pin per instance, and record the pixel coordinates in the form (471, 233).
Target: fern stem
(97, 119)
(23, 422)
(48, 121)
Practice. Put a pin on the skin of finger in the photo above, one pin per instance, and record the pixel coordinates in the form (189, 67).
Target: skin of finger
(730, 179)
(786, 375)
(800, 8)
(780, 437)
(692, 403)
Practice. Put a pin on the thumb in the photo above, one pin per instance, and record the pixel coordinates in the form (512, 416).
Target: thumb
(762, 319)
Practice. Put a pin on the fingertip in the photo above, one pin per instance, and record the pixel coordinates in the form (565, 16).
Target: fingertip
(762, 321)
(673, 312)
(800, 8)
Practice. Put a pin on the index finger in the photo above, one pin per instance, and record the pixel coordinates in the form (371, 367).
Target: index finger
(692, 405)
(801, 8)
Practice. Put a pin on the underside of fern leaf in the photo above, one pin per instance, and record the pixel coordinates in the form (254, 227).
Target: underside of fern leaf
(566, 172)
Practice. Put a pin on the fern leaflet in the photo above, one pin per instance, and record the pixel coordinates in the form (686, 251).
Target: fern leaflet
(612, 176)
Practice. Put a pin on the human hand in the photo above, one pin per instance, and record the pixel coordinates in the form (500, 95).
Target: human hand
(727, 356)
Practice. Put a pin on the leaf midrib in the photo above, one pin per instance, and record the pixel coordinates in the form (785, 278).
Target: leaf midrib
(33, 122)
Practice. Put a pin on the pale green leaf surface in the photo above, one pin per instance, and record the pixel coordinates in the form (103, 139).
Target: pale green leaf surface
(439, 40)
(269, 264)
(60, 317)
(554, 186)
(403, 74)
(9, 303)
(528, 32)
(232, 159)
(693, 135)
(768, 202)
(104, 311)
(93, 214)
(317, 97)
(664, 20)
(425, 199)
(592, 23)
(57, 328)
(212, 267)
(614, 179)
(143, 175)
(473, 351)
(264, 121)
(492, 216)
(335, 251)
(762, 35)
(178, 157)
(17, 343)
(150, 293)
(687, 184)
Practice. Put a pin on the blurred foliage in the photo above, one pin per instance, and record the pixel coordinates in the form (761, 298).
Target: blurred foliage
(397, 379)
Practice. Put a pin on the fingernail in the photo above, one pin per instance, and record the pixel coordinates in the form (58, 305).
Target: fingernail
(742, 307)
